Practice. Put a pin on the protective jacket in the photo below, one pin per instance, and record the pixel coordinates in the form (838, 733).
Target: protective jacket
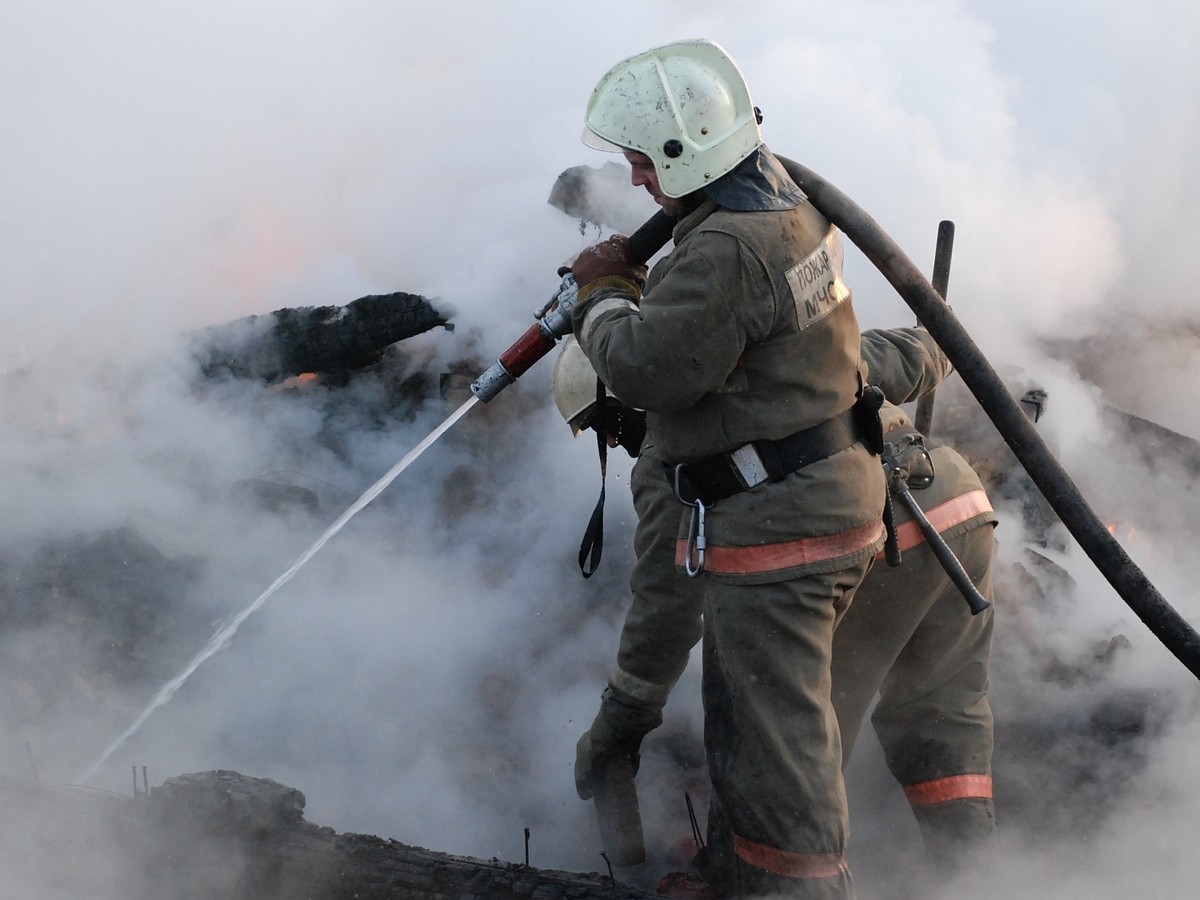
(747, 332)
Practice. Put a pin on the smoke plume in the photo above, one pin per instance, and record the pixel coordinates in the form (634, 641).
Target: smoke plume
(426, 675)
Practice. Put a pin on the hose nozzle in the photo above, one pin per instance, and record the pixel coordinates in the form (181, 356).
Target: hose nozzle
(553, 322)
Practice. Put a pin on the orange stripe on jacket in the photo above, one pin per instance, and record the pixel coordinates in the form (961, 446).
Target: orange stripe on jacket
(786, 554)
(955, 787)
(787, 864)
(943, 516)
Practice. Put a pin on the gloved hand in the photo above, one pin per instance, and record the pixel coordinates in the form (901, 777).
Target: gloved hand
(623, 426)
(609, 258)
(617, 731)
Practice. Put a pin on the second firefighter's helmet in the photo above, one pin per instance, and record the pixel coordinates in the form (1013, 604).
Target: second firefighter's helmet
(575, 386)
(685, 105)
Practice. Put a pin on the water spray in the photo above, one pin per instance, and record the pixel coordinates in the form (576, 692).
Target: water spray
(225, 634)
(553, 323)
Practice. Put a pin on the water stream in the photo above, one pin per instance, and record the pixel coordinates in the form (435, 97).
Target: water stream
(223, 636)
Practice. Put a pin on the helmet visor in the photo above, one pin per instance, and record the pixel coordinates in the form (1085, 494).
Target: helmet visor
(593, 140)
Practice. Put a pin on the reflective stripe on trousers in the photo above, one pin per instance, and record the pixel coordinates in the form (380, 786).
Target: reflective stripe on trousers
(941, 517)
(788, 864)
(785, 554)
(955, 787)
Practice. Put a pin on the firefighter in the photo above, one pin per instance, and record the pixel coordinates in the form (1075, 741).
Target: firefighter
(743, 350)
(948, 766)
(911, 639)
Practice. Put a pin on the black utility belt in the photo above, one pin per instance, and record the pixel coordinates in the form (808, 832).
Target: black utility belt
(724, 474)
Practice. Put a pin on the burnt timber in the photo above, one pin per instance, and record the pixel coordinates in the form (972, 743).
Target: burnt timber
(223, 834)
(332, 340)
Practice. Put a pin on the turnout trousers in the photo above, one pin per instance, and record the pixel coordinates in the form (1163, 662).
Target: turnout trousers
(911, 638)
(778, 821)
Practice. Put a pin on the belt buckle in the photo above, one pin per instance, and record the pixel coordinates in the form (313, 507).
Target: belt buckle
(748, 466)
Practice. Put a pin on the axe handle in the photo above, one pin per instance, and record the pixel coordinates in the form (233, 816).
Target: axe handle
(975, 600)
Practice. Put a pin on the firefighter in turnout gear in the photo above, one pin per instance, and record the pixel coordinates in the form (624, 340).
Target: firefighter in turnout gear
(743, 350)
(664, 621)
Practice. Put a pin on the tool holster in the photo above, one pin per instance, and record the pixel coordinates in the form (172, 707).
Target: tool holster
(909, 467)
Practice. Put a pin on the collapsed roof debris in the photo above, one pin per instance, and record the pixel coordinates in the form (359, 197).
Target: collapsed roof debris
(122, 604)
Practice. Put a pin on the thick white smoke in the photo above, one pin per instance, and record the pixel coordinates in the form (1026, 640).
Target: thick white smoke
(425, 677)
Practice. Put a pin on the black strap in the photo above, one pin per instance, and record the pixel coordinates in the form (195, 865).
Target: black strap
(715, 477)
(592, 547)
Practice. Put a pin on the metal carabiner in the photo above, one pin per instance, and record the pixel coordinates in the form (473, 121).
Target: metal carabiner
(696, 540)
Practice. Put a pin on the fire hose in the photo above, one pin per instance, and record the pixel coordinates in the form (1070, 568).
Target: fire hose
(1105, 552)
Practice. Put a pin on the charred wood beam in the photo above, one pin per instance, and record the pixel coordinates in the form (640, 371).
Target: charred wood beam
(223, 834)
(331, 340)
(365, 867)
(261, 822)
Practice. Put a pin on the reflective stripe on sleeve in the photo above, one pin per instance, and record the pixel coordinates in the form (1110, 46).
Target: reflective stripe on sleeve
(943, 516)
(788, 864)
(601, 307)
(955, 787)
(640, 688)
(785, 554)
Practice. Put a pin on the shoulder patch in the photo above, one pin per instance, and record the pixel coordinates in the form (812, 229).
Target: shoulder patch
(816, 281)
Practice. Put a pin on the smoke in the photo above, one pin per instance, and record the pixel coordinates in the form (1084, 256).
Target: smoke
(426, 675)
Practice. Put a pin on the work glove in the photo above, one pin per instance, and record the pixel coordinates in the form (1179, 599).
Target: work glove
(623, 426)
(608, 259)
(616, 732)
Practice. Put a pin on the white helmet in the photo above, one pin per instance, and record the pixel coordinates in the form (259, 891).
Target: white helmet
(575, 385)
(685, 105)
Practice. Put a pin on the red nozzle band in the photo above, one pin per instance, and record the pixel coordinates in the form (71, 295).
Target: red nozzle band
(529, 348)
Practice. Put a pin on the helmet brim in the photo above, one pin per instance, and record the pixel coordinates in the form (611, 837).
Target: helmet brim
(593, 140)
